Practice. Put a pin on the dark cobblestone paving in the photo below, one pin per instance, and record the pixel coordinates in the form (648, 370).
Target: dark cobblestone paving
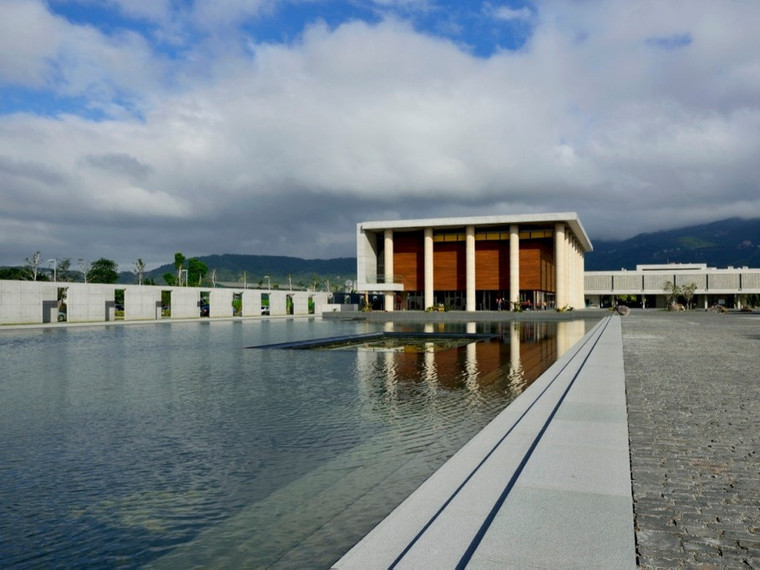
(693, 389)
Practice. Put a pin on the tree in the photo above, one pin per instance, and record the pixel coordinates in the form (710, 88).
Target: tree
(688, 293)
(672, 291)
(170, 279)
(32, 266)
(139, 271)
(64, 270)
(213, 277)
(14, 273)
(196, 271)
(179, 264)
(103, 271)
(84, 267)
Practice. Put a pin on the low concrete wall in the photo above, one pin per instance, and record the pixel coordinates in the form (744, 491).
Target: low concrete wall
(28, 302)
(277, 303)
(338, 308)
(142, 303)
(321, 299)
(300, 303)
(186, 302)
(220, 303)
(36, 302)
(251, 303)
(87, 303)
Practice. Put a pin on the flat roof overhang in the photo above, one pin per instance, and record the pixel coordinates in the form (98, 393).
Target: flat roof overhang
(570, 218)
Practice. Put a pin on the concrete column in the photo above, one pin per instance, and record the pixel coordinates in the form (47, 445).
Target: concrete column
(582, 271)
(428, 268)
(514, 265)
(389, 295)
(570, 269)
(560, 269)
(470, 267)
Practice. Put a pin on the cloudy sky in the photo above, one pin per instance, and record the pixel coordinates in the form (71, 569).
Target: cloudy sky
(138, 128)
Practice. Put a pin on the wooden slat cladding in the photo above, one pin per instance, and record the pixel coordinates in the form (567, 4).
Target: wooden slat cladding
(449, 269)
(491, 265)
(409, 259)
(536, 265)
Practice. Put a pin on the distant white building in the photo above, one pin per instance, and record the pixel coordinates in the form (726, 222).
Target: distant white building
(646, 285)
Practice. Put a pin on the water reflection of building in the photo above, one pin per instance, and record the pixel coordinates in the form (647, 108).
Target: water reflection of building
(519, 353)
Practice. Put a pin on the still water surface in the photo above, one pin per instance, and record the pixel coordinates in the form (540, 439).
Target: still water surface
(171, 445)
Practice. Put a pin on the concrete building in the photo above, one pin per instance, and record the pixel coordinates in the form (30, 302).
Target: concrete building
(470, 263)
(645, 287)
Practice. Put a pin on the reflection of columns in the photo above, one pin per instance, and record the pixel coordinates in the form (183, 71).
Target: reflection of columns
(471, 366)
(514, 266)
(429, 300)
(429, 373)
(560, 281)
(515, 363)
(388, 326)
(389, 296)
(391, 380)
(470, 267)
(471, 360)
(569, 333)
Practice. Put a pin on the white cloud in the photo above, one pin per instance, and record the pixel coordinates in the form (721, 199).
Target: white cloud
(508, 14)
(286, 149)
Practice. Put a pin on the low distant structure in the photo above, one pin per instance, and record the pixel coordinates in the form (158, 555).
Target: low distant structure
(38, 302)
(646, 286)
(503, 262)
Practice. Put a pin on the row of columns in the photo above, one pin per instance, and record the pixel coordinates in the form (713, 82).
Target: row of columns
(470, 299)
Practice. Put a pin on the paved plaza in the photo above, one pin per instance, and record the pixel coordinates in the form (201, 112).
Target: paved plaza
(693, 392)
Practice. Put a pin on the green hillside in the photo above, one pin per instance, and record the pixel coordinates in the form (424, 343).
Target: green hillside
(734, 242)
(234, 268)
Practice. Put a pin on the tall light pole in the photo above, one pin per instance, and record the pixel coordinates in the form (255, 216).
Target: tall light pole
(55, 269)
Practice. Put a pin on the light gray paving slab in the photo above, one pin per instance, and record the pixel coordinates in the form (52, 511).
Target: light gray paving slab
(552, 529)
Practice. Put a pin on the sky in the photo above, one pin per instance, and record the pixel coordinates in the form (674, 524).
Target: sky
(138, 128)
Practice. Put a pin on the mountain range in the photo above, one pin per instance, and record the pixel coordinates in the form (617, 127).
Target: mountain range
(734, 242)
(263, 269)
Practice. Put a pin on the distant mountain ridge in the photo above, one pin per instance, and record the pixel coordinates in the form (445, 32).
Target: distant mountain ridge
(254, 269)
(734, 242)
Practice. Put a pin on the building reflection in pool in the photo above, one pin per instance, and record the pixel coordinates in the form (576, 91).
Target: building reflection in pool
(517, 354)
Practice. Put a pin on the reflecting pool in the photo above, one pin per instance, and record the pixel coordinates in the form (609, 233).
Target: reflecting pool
(171, 445)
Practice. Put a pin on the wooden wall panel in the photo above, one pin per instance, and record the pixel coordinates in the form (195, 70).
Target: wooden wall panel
(536, 265)
(449, 267)
(491, 265)
(409, 260)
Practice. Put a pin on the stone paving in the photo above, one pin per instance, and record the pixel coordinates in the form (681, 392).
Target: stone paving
(693, 392)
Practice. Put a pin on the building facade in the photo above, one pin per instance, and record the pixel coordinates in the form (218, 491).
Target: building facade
(473, 263)
(645, 287)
